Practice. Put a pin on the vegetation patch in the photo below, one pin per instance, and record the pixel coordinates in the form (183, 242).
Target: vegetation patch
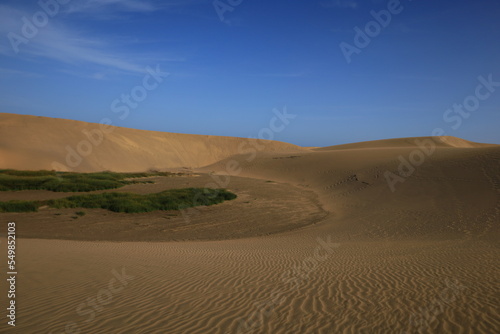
(19, 206)
(69, 181)
(174, 199)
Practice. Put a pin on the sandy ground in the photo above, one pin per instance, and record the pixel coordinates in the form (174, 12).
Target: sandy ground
(326, 247)
(268, 284)
(259, 202)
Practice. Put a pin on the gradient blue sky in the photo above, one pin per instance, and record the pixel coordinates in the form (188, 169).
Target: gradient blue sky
(226, 77)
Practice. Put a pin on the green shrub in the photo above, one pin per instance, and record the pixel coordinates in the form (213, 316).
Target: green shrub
(69, 181)
(174, 199)
(19, 206)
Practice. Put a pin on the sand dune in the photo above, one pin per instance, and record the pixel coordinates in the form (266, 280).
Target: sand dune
(31, 142)
(442, 141)
(454, 191)
(317, 242)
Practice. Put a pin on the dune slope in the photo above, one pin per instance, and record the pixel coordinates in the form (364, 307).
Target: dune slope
(442, 141)
(31, 142)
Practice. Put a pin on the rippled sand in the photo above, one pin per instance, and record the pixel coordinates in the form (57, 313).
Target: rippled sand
(315, 243)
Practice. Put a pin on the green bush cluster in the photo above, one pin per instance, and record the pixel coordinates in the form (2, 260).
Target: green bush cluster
(174, 199)
(68, 181)
(19, 206)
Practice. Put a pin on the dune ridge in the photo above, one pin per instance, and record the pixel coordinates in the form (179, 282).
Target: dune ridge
(34, 142)
(439, 141)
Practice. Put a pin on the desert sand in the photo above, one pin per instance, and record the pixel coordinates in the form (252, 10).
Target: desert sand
(86, 147)
(316, 242)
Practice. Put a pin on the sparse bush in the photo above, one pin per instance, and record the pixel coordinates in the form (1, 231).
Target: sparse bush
(128, 202)
(69, 181)
(19, 206)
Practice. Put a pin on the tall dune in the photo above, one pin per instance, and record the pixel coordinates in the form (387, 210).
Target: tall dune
(31, 142)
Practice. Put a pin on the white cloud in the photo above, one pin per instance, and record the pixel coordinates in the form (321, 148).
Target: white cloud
(57, 42)
(17, 73)
(66, 46)
(90, 6)
(112, 9)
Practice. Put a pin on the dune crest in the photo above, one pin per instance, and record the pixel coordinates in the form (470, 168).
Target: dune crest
(32, 142)
(441, 141)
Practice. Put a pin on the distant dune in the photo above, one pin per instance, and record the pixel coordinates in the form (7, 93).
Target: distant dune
(443, 141)
(32, 142)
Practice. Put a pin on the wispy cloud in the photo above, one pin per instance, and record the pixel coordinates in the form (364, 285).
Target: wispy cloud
(100, 75)
(80, 49)
(113, 9)
(340, 4)
(18, 73)
(63, 45)
(93, 6)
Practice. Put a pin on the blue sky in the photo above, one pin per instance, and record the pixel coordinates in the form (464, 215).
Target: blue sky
(227, 76)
